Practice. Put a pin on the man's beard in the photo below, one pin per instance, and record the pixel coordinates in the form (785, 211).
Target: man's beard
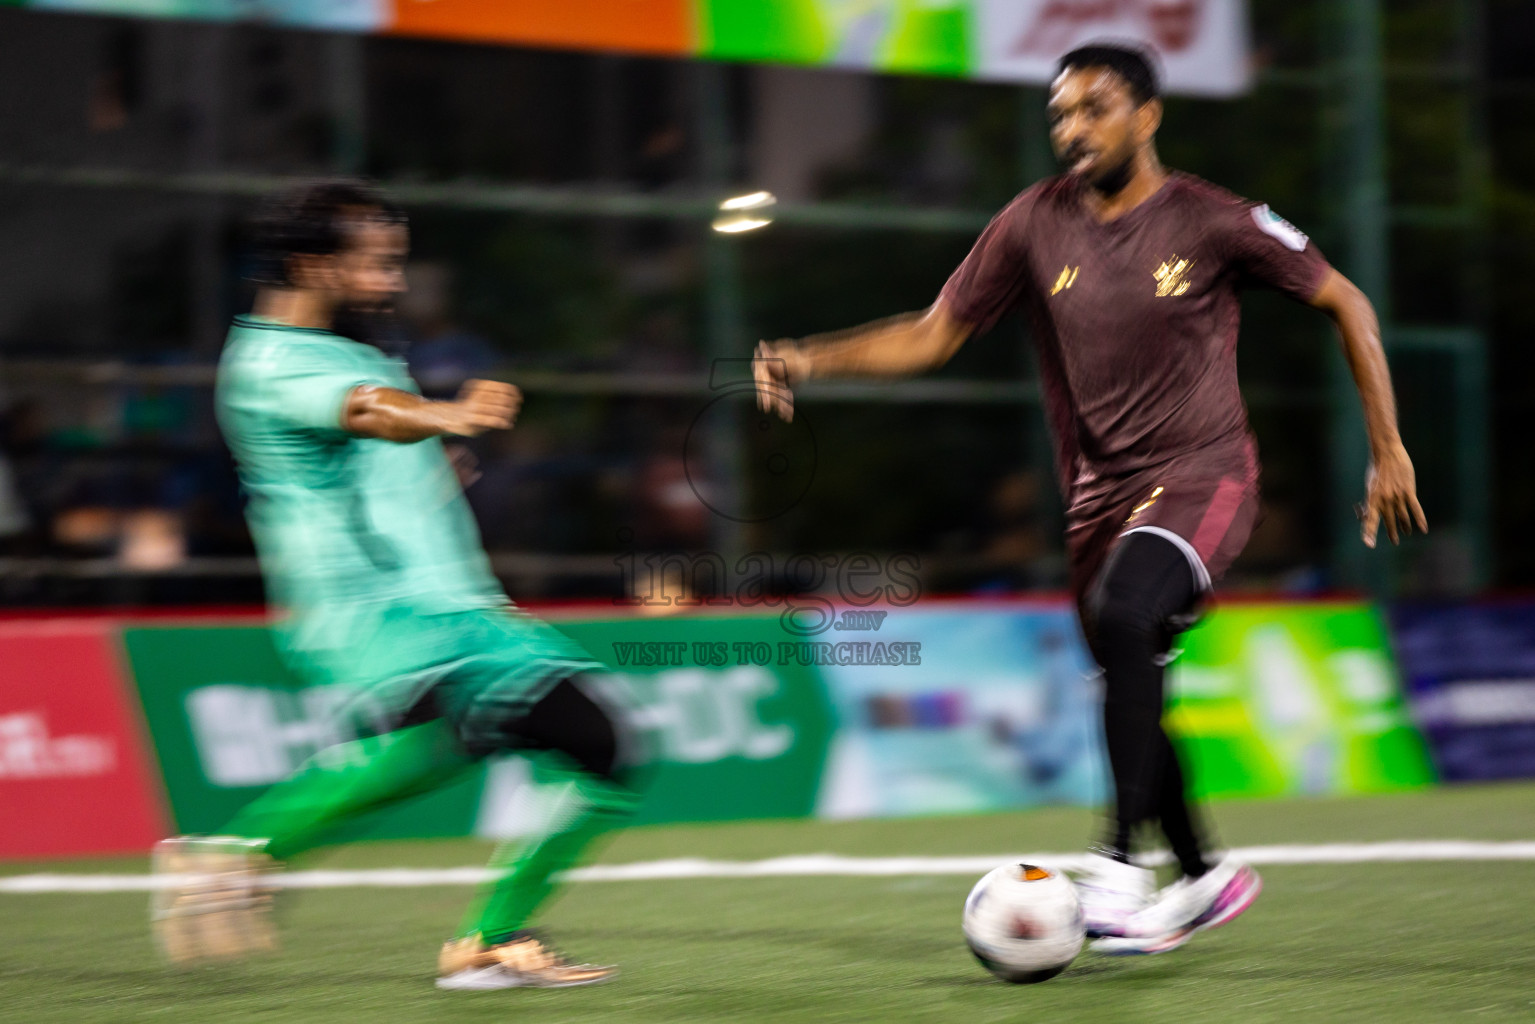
(1113, 181)
(372, 325)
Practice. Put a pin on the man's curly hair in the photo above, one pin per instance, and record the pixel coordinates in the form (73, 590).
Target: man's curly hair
(310, 220)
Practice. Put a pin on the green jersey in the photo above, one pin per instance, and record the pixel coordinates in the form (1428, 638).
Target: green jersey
(345, 526)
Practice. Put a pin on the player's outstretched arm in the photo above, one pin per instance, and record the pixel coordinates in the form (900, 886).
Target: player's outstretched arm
(393, 415)
(898, 346)
(1391, 490)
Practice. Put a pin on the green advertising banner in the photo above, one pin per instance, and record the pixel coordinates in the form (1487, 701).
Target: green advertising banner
(734, 733)
(1279, 699)
(738, 730)
(928, 36)
(228, 719)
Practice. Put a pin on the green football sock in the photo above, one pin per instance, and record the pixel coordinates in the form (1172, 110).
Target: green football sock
(590, 806)
(347, 780)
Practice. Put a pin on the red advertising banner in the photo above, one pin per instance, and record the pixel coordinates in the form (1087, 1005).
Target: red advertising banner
(76, 776)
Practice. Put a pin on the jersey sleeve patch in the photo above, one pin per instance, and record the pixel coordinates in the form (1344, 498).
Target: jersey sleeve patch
(1270, 223)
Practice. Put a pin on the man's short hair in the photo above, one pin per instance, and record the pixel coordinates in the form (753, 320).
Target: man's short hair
(310, 220)
(1135, 65)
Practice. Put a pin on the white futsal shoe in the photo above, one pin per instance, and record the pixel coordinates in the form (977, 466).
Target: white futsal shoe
(1112, 892)
(523, 961)
(212, 898)
(1185, 908)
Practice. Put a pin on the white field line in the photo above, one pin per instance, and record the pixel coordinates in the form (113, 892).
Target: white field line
(810, 865)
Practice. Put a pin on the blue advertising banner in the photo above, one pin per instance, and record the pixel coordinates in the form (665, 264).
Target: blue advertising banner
(1469, 673)
(1001, 711)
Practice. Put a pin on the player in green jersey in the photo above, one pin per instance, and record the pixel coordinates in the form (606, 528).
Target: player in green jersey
(367, 544)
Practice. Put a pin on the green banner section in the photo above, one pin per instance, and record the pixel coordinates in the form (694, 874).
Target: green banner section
(733, 733)
(1277, 699)
(927, 36)
(228, 719)
(734, 738)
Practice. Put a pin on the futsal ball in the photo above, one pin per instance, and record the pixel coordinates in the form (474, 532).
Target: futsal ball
(1024, 923)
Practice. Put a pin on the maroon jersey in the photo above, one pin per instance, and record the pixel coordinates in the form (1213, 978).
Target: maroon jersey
(1136, 319)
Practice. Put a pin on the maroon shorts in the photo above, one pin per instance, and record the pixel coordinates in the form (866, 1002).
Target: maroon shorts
(1206, 503)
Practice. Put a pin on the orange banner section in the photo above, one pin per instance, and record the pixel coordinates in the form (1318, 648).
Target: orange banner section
(662, 27)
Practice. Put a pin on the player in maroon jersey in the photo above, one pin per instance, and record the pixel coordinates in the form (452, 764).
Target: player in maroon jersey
(1130, 275)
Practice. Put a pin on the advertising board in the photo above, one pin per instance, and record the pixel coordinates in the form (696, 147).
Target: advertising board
(927, 708)
(1202, 44)
(1287, 699)
(76, 775)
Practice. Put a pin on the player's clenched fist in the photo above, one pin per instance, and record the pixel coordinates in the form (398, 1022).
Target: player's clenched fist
(483, 405)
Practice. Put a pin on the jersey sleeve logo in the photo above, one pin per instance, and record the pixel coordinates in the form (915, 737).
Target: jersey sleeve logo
(1271, 223)
(1172, 276)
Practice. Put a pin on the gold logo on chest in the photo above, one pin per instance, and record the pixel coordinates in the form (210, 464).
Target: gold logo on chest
(1066, 280)
(1172, 276)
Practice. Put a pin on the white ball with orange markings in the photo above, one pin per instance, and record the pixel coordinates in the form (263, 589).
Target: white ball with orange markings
(1024, 923)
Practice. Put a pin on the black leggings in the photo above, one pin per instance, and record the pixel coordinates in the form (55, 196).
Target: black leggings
(569, 721)
(564, 719)
(1130, 619)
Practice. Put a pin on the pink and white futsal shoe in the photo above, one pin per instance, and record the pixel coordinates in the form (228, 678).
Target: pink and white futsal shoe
(1111, 893)
(1184, 908)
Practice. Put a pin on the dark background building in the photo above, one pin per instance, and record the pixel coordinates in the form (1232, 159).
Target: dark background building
(562, 206)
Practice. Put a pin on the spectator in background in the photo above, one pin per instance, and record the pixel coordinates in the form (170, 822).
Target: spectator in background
(14, 520)
(1017, 553)
(660, 344)
(442, 354)
(670, 514)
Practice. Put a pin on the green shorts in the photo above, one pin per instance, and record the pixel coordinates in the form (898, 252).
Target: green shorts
(482, 666)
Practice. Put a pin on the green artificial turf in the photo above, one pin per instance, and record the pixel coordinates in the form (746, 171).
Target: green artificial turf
(1394, 943)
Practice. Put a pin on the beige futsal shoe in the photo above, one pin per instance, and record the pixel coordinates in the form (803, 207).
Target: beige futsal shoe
(213, 898)
(468, 965)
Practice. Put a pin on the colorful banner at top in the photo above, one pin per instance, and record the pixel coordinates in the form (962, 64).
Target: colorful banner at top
(1203, 43)
(660, 27)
